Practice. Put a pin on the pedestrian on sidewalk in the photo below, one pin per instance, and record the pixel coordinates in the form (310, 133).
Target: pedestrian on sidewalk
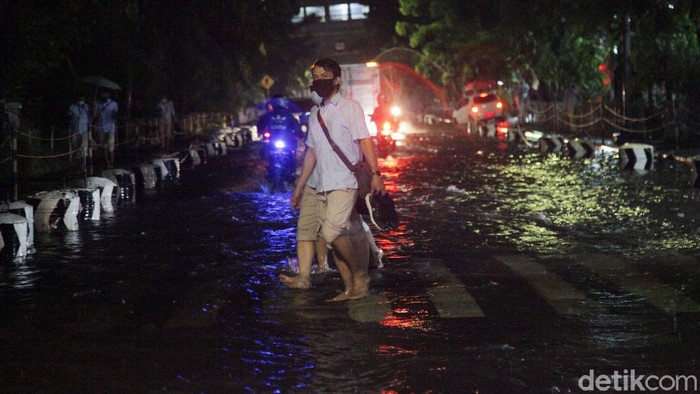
(79, 113)
(166, 117)
(106, 113)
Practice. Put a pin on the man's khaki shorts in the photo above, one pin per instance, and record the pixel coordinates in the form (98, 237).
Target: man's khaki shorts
(338, 214)
(309, 222)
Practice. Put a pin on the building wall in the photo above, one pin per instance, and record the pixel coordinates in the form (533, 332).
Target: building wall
(344, 39)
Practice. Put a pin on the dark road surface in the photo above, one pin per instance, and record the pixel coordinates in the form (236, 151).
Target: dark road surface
(511, 272)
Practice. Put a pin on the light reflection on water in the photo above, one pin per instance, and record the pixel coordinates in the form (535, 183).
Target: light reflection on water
(198, 276)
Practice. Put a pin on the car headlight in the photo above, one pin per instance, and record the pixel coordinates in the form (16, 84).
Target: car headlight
(279, 144)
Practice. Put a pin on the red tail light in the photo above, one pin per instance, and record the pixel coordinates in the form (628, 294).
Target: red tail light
(266, 135)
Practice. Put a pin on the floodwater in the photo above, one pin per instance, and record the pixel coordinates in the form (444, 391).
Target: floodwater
(179, 291)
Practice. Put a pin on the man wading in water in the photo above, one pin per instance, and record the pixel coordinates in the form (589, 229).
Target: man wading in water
(336, 187)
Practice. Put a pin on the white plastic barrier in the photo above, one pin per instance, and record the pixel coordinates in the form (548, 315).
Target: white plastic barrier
(233, 140)
(89, 203)
(55, 209)
(126, 184)
(25, 210)
(14, 233)
(551, 144)
(169, 167)
(190, 158)
(215, 148)
(146, 177)
(580, 149)
(106, 188)
(637, 157)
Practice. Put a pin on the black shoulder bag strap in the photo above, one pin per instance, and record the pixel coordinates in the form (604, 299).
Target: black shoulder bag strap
(335, 147)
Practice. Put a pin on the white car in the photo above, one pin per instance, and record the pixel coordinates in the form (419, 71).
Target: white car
(484, 106)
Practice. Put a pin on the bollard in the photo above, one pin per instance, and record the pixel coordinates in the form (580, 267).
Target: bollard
(215, 148)
(89, 203)
(55, 209)
(25, 210)
(637, 157)
(551, 144)
(579, 149)
(125, 181)
(145, 176)
(14, 230)
(106, 188)
(190, 158)
(169, 167)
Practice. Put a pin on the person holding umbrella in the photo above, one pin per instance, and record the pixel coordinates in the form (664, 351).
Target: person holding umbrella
(106, 126)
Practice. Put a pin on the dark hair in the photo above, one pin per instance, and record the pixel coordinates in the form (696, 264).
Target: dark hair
(328, 65)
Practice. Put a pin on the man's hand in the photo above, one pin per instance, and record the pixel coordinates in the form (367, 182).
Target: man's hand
(378, 185)
(296, 197)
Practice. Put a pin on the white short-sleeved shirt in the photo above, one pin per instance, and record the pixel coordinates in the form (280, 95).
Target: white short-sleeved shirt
(346, 124)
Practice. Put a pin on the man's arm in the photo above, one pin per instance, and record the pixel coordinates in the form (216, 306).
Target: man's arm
(306, 169)
(367, 146)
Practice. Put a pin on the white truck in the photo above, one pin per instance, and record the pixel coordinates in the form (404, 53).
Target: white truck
(360, 82)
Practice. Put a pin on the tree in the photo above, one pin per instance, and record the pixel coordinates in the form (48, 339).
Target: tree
(208, 55)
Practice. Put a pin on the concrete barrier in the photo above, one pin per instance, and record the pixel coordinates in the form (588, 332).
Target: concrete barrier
(637, 157)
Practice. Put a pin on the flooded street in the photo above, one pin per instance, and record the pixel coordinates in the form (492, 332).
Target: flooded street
(510, 272)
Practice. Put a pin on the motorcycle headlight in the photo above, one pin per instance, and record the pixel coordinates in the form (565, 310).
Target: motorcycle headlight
(279, 144)
(396, 110)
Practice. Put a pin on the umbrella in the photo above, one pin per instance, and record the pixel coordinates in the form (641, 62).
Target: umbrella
(101, 82)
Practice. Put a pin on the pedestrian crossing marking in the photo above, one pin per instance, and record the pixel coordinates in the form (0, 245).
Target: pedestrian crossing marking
(449, 295)
(371, 309)
(630, 279)
(562, 296)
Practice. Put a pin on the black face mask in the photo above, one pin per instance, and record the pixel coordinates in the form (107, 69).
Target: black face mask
(324, 87)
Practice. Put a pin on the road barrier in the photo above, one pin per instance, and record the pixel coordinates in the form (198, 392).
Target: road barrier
(146, 176)
(55, 209)
(169, 167)
(551, 144)
(106, 188)
(25, 210)
(580, 148)
(14, 241)
(126, 184)
(89, 203)
(637, 157)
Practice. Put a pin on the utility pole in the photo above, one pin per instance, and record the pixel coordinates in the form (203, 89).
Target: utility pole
(627, 83)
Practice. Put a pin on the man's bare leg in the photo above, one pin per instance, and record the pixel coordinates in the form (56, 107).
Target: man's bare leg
(322, 255)
(353, 254)
(305, 256)
(345, 275)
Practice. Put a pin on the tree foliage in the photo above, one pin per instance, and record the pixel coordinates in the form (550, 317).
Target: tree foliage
(558, 43)
(207, 55)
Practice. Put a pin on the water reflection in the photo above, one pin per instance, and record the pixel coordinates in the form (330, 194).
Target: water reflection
(181, 290)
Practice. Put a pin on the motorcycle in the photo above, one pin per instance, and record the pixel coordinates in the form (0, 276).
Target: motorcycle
(388, 132)
(385, 144)
(279, 151)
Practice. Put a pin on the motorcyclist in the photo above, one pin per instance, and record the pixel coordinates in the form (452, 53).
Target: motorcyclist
(278, 117)
(279, 124)
(382, 112)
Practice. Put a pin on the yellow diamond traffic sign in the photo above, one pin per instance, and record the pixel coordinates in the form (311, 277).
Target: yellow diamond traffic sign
(266, 81)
